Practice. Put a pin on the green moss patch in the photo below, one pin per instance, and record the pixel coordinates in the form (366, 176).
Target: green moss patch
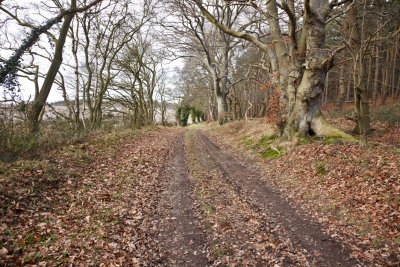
(271, 153)
(333, 140)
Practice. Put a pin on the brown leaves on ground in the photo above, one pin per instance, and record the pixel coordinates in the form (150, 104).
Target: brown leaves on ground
(95, 203)
(353, 192)
(92, 203)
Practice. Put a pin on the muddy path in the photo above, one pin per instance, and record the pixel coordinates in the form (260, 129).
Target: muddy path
(284, 221)
(182, 238)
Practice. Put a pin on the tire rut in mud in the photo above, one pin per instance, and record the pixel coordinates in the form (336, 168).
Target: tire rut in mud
(182, 239)
(304, 233)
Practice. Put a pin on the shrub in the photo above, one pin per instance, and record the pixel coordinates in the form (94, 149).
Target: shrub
(16, 142)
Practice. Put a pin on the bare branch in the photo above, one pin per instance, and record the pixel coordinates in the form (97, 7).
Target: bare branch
(9, 66)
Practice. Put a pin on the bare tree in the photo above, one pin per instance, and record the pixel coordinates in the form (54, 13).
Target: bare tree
(358, 50)
(105, 38)
(208, 42)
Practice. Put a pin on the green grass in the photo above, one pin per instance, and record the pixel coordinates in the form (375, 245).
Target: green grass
(246, 141)
(262, 146)
(265, 142)
(271, 153)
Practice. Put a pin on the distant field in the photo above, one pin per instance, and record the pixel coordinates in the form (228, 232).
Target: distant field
(62, 109)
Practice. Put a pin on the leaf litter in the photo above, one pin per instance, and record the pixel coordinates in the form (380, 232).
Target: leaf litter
(93, 203)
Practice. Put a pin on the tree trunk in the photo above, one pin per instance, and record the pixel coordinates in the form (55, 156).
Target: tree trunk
(40, 99)
(398, 88)
(385, 76)
(75, 42)
(362, 105)
(360, 89)
(263, 108)
(234, 108)
(247, 110)
(280, 57)
(222, 104)
(376, 78)
(236, 114)
(392, 84)
(369, 76)
(342, 87)
(229, 101)
(222, 88)
(211, 108)
(163, 112)
(349, 84)
(96, 115)
(325, 94)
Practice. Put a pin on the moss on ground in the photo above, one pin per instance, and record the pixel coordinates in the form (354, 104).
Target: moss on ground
(262, 146)
(333, 139)
(271, 153)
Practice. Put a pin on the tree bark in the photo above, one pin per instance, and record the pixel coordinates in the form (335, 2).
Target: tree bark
(262, 110)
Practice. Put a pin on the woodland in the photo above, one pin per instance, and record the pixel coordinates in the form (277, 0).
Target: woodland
(200, 132)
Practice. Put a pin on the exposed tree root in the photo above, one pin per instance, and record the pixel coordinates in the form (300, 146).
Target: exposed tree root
(317, 127)
(322, 128)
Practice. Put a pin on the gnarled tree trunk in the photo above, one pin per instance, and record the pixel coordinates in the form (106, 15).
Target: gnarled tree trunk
(305, 117)
(301, 84)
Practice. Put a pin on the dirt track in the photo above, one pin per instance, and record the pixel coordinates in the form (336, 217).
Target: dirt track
(182, 237)
(298, 240)
(323, 251)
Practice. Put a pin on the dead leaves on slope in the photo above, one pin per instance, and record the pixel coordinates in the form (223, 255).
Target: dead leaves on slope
(92, 204)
